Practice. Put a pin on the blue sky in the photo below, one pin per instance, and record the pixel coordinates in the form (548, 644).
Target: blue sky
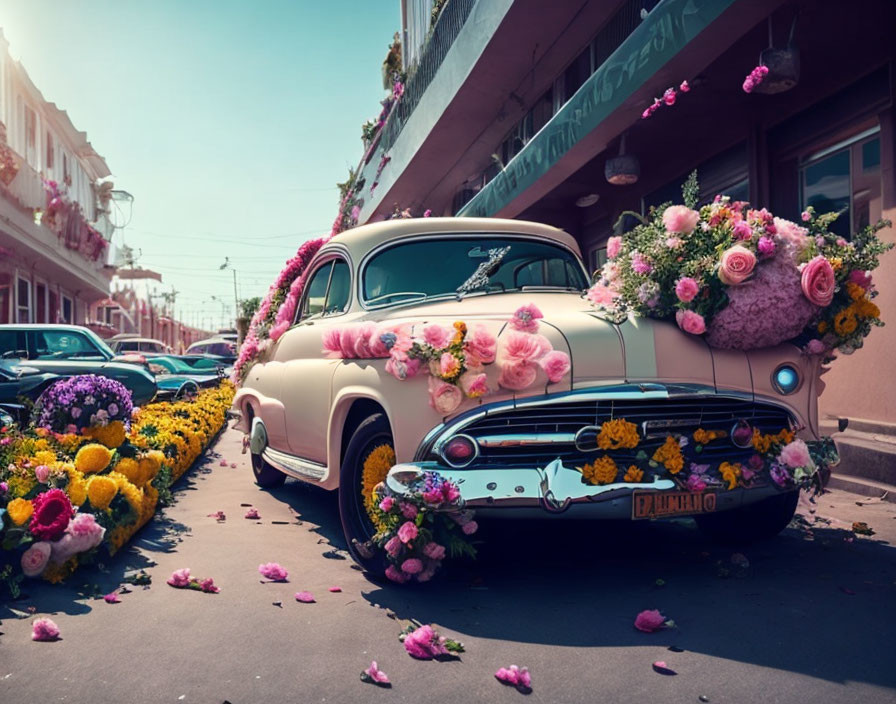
(229, 121)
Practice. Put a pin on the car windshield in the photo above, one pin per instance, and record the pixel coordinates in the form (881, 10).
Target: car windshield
(463, 265)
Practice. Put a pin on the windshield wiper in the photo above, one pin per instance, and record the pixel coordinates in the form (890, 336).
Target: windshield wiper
(483, 272)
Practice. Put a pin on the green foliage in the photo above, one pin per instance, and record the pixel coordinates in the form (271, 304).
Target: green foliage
(248, 306)
(690, 190)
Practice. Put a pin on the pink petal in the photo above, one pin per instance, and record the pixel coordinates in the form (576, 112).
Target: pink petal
(335, 589)
(223, 463)
(661, 668)
(376, 674)
(305, 597)
(233, 465)
(112, 598)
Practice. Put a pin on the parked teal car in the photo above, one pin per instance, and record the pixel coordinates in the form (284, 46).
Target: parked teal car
(67, 350)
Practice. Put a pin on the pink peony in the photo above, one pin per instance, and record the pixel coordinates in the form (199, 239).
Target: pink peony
(742, 230)
(736, 265)
(180, 578)
(437, 336)
(795, 454)
(425, 643)
(602, 295)
(515, 676)
(614, 245)
(412, 566)
(407, 532)
(556, 365)
(396, 575)
(818, 282)
(766, 246)
(305, 597)
(393, 546)
(522, 347)
(690, 322)
(434, 551)
(650, 621)
(409, 511)
(470, 527)
(480, 346)
(374, 673)
(43, 629)
(517, 376)
(444, 397)
(474, 385)
(686, 289)
(35, 558)
(273, 571)
(386, 504)
(449, 365)
(525, 318)
(680, 219)
(794, 235)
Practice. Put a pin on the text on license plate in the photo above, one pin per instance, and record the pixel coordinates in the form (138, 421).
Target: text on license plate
(659, 504)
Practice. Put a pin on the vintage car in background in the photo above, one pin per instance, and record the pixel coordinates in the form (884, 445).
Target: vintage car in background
(123, 344)
(519, 453)
(178, 376)
(215, 346)
(67, 350)
(20, 385)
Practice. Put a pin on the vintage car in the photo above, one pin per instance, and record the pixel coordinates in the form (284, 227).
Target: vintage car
(319, 416)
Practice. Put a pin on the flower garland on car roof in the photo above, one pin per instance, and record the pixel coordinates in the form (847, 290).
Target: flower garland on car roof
(743, 277)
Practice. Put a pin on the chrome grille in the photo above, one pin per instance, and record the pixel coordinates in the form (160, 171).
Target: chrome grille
(565, 419)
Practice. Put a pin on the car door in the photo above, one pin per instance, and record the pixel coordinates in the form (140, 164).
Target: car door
(307, 373)
(13, 344)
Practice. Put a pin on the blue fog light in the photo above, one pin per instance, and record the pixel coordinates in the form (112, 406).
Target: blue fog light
(786, 379)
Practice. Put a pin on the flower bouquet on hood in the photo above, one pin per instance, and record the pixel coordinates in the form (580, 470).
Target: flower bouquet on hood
(419, 528)
(742, 277)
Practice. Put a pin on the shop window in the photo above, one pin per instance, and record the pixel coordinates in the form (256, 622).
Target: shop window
(577, 73)
(68, 310)
(845, 178)
(23, 301)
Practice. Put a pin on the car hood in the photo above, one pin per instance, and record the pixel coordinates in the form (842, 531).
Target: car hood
(638, 350)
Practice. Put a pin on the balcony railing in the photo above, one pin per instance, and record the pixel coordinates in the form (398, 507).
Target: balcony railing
(27, 187)
(451, 21)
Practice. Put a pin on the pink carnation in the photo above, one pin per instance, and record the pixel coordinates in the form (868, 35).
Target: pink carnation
(650, 621)
(396, 575)
(393, 546)
(686, 289)
(407, 532)
(425, 643)
(434, 551)
(556, 365)
(180, 578)
(273, 571)
(444, 398)
(818, 282)
(517, 376)
(680, 219)
(412, 566)
(736, 265)
(690, 322)
(43, 629)
(437, 336)
(614, 245)
(480, 346)
(796, 454)
(526, 318)
(408, 510)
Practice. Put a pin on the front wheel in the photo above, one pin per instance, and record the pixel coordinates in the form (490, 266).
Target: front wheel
(747, 524)
(368, 458)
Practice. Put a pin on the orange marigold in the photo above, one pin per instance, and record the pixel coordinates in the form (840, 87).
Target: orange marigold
(633, 474)
(730, 473)
(616, 434)
(702, 436)
(669, 455)
(602, 471)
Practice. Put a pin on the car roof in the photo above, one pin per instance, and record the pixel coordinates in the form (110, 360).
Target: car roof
(211, 340)
(44, 326)
(140, 339)
(360, 240)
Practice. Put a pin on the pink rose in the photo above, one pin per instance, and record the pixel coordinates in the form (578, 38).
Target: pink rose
(736, 265)
(517, 376)
(474, 384)
(686, 289)
(480, 346)
(690, 321)
(556, 365)
(448, 365)
(649, 621)
(437, 336)
(522, 347)
(444, 397)
(407, 532)
(42, 473)
(386, 504)
(742, 230)
(614, 245)
(434, 551)
(401, 366)
(795, 455)
(525, 318)
(818, 281)
(35, 558)
(601, 295)
(680, 219)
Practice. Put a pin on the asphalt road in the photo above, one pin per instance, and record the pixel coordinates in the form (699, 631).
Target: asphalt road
(810, 619)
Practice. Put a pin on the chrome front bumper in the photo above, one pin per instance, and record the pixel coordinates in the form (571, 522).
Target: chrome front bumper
(551, 491)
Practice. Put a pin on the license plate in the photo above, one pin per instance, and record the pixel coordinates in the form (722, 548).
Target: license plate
(661, 504)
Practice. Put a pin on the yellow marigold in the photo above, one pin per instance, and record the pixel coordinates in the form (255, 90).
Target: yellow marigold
(669, 455)
(763, 443)
(461, 328)
(93, 458)
(616, 434)
(131, 493)
(836, 263)
(130, 468)
(701, 436)
(633, 474)
(19, 511)
(77, 487)
(101, 491)
(20, 486)
(149, 468)
(602, 471)
(47, 457)
(822, 327)
(845, 322)
(111, 435)
(377, 465)
(730, 473)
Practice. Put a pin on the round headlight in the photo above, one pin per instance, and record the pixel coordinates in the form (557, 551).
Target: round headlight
(459, 450)
(786, 379)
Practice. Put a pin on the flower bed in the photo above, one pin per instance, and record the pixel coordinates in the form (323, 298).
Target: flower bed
(65, 496)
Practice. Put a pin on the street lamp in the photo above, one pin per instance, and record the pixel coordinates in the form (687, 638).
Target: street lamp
(236, 300)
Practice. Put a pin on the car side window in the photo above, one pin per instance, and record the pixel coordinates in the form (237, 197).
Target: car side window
(339, 290)
(12, 345)
(53, 344)
(316, 292)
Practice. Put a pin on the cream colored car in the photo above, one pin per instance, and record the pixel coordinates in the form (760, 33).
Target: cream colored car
(523, 452)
